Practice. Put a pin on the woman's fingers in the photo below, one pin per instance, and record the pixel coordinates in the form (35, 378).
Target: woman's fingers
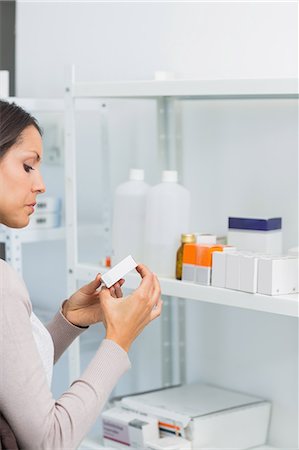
(112, 291)
(91, 287)
(142, 270)
(118, 291)
(121, 282)
(147, 283)
(156, 311)
(157, 290)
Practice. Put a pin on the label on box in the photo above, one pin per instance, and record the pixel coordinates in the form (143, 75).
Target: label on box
(116, 431)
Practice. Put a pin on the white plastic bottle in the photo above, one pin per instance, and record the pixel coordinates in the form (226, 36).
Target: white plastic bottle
(129, 218)
(167, 217)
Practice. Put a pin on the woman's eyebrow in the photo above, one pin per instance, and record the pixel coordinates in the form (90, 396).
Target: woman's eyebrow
(38, 158)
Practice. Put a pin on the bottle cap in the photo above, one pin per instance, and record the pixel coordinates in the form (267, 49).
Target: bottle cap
(169, 176)
(188, 238)
(136, 174)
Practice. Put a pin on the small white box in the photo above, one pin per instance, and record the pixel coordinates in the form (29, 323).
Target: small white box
(169, 443)
(48, 205)
(232, 274)
(44, 220)
(277, 276)
(219, 266)
(203, 275)
(210, 417)
(268, 242)
(218, 269)
(203, 238)
(248, 273)
(126, 428)
(119, 271)
(188, 272)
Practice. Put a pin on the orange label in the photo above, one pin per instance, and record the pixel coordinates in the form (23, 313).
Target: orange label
(189, 254)
(204, 254)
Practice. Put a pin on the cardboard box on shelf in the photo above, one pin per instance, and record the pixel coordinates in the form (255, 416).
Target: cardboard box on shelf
(277, 275)
(207, 416)
(124, 428)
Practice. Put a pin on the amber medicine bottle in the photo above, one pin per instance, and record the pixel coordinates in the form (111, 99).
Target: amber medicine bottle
(185, 239)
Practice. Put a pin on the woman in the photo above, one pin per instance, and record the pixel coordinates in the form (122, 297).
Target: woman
(29, 413)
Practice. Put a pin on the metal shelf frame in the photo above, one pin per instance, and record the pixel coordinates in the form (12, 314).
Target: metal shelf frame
(14, 238)
(166, 94)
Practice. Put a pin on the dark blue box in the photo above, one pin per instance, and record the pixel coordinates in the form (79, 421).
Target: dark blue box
(243, 223)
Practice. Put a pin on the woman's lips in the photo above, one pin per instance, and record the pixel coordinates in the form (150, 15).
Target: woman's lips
(31, 207)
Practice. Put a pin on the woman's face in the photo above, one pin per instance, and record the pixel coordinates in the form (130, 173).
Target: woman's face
(20, 179)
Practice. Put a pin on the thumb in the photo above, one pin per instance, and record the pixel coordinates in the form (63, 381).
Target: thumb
(105, 295)
(91, 287)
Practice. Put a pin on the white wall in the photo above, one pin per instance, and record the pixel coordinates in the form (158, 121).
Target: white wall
(240, 157)
(113, 41)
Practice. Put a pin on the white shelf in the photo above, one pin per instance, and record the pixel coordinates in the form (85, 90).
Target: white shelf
(34, 234)
(89, 444)
(286, 305)
(266, 447)
(200, 89)
(26, 235)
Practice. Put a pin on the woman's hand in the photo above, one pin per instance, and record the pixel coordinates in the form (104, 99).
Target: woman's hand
(83, 308)
(125, 319)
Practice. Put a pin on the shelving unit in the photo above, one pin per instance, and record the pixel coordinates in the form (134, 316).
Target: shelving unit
(167, 95)
(14, 238)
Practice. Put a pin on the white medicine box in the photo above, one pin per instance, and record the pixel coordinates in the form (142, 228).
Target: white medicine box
(256, 235)
(123, 429)
(277, 275)
(207, 416)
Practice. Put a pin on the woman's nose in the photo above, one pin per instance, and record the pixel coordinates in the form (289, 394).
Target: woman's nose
(39, 185)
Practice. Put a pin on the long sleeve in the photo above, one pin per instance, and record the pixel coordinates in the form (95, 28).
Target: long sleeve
(63, 333)
(38, 420)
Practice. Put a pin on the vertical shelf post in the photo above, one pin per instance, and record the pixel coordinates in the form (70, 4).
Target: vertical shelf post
(13, 249)
(170, 151)
(71, 212)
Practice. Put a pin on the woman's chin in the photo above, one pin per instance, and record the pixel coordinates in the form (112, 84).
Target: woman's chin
(17, 222)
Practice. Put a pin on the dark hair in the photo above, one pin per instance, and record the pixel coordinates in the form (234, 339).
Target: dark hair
(13, 120)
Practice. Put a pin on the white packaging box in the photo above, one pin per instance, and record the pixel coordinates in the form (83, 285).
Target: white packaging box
(269, 242)
(204, 238)
(218, 278)
(277, 276)
(248, 273)
(48, 205)
(44, 220)
(123, 428)
(232, 273)
(203, 275)
(169, 443)
(119, 271)
(218, 269)
(209, 417)
(188, 272)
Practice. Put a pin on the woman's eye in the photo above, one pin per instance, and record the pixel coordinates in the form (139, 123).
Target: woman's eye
(27, 168)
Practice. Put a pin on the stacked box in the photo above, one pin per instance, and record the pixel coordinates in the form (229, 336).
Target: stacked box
(47, 213)
(256, 235)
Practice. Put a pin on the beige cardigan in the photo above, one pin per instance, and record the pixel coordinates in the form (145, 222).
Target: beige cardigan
(38, 420)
